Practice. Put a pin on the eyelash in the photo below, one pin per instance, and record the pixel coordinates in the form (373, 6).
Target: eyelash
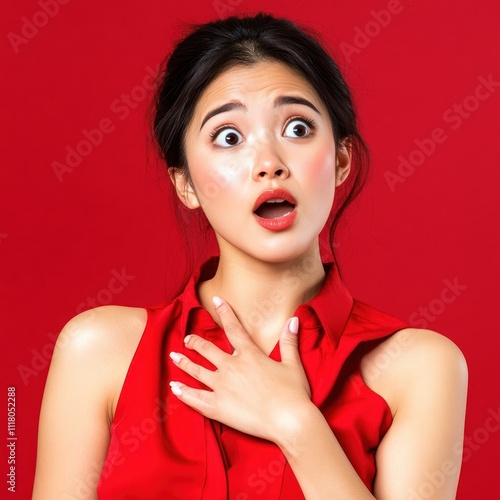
(310, 123)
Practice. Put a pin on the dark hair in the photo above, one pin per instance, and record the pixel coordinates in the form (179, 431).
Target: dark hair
(211, 48)
(214, 47)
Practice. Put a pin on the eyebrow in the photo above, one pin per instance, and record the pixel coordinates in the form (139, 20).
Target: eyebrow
(279, 101)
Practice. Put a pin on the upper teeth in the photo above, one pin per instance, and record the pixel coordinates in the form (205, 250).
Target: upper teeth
(275, 200)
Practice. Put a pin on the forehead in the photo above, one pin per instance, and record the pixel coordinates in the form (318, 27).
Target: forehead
(265, 80)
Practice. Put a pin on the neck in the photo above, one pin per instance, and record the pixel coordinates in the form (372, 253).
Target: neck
(263, 295)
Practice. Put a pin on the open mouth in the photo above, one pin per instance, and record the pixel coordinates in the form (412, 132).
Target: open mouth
(274, 208)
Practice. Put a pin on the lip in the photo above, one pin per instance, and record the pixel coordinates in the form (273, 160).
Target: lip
(278, 223)
(280, 193)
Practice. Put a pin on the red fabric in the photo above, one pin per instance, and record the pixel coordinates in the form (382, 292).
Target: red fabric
(203, 459)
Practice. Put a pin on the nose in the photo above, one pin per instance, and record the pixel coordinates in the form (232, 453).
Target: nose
(268, 164)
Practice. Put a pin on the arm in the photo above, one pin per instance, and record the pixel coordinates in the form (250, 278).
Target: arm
(420, 456)
(88, 367)
(319, 463)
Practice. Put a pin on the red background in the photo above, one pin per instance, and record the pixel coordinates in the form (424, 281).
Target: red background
(61, 241)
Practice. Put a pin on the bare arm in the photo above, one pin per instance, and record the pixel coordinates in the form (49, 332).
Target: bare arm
(421, 454)
(421, 451)
(91, 358)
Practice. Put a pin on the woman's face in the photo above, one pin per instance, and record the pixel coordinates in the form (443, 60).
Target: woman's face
(245, 139)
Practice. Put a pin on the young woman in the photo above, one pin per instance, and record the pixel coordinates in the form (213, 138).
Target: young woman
(263, 378)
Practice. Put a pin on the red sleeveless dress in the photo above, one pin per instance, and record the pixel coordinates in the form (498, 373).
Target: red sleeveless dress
(199, 458)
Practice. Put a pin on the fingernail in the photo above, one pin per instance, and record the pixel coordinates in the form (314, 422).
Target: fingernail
(217, 301)
(186, 338)
(175, 357)
(294, 325)
(175, 389)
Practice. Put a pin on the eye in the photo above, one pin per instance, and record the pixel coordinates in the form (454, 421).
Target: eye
(299, 127)
(225, 137)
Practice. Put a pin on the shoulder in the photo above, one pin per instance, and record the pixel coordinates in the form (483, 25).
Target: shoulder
(97, 327)
(412, 360)
(105, 331)
(425, 385)
(103, 340)
(90, 361)
(416, 345)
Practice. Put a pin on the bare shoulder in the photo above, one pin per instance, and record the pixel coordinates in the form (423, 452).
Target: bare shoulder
(103, 326)
(104, 338)
(423, 377)
(416, 345)
(91, 359)
(411, 359)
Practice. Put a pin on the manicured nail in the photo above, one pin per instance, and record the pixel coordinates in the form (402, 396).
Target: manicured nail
(294, 325)
(175, 357)
(175, 388)
(217, 301)
(186, 338)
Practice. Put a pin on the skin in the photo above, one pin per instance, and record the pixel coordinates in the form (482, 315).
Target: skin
(424, 383)
(268, 155)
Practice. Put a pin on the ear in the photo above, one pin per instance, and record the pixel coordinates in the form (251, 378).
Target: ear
(183, 187)
(343, 165)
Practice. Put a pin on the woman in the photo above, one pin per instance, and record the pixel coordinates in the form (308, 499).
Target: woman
(264, 378)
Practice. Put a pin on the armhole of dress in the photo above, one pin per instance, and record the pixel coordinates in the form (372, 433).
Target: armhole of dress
(364, 348)
(118, 410)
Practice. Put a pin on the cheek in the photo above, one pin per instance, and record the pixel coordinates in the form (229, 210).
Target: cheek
(320, 173)
(217, 180)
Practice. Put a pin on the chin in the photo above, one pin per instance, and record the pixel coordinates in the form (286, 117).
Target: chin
(280, 247)
(281, 254)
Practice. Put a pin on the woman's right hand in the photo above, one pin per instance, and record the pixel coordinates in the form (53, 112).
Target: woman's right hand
(250, 391)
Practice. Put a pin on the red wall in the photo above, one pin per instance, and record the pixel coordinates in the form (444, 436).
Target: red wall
(421, 243)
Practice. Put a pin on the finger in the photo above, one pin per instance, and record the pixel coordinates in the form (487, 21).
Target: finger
(289, 342)
(199, 400)
(206, 349)
(196, 371)
(236, 334)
